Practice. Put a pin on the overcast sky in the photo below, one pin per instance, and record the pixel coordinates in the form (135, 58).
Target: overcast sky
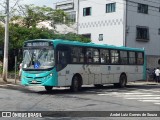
(49, 3)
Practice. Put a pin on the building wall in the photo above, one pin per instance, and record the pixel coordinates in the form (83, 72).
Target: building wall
(150, 20)
(111, 25)
(71, 8)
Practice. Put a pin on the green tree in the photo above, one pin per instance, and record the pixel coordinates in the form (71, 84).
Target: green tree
(35, 14)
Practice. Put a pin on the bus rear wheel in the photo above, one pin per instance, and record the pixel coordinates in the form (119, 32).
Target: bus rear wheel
(48, 88)
(76, 84)
(98, 85)
(122, 81)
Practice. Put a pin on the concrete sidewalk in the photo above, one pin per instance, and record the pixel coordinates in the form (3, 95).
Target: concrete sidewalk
(143, 82)
(10, 81)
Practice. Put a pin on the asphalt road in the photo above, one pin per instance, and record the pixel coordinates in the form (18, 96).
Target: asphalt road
(135, 97)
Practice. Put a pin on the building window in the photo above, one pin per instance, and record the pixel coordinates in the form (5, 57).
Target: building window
(142, 8)
(159, 31)
(100, 37)
(87, 11)
(142, 33)
(110, 7)
(71, 17)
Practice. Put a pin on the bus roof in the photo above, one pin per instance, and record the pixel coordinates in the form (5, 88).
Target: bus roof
(90, 44)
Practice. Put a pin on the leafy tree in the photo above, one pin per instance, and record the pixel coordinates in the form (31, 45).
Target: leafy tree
(58, 16)
(23, 27)
(1, 35)
(35, 14)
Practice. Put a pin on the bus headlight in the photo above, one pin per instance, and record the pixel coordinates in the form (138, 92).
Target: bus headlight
(51, 74)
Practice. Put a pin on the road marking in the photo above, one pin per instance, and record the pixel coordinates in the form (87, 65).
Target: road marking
(150, 90)
(142, 96)
(138, 93)
(149, 100)
(157, 103)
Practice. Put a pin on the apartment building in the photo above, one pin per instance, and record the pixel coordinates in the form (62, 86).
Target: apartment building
(70, 7)
(131, 23)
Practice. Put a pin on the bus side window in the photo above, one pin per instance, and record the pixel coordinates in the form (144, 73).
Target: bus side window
(89, 55)
(132, 58)
(74, 54)
(114, 56)
(123, 57)
(77, 55)
(140, 58)
(81, 55)
(104, 56)
(95, 56)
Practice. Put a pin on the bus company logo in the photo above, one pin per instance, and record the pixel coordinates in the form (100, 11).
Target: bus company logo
(6, 114)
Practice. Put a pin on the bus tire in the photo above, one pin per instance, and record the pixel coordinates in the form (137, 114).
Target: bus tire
(76, 84)
(98, 85)
(122, 81)
(48, 88)
(116, 85)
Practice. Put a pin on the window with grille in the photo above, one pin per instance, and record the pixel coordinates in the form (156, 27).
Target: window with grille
(142, 8)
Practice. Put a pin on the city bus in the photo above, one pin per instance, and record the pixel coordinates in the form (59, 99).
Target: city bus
(58, 63)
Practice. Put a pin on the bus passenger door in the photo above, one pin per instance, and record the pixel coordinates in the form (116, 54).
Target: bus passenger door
(62, 62)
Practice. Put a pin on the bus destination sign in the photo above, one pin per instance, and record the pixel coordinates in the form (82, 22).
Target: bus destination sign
(37, 44)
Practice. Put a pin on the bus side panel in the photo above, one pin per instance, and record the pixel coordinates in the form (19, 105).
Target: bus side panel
(99, 74)
(65, 76)
(134, 72)
(90, 74)
(105, 74)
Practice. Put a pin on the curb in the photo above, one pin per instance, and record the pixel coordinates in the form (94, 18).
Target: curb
(12, 86)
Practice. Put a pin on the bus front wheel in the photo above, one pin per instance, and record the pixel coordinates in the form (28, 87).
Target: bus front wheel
(48, 88)
(76, 84)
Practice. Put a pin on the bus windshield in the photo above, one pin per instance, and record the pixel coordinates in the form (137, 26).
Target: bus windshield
(38, 58)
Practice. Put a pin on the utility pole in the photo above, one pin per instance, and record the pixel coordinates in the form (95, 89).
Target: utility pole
(5, 59)
(77, 15)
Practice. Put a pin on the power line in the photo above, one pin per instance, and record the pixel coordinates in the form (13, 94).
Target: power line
(125, 4)
(14, 5)
(152, 1)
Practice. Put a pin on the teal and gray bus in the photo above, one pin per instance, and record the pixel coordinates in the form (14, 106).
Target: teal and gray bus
(57, 63)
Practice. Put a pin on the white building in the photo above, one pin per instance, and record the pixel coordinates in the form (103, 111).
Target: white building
(70, 7)
(132, 23)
